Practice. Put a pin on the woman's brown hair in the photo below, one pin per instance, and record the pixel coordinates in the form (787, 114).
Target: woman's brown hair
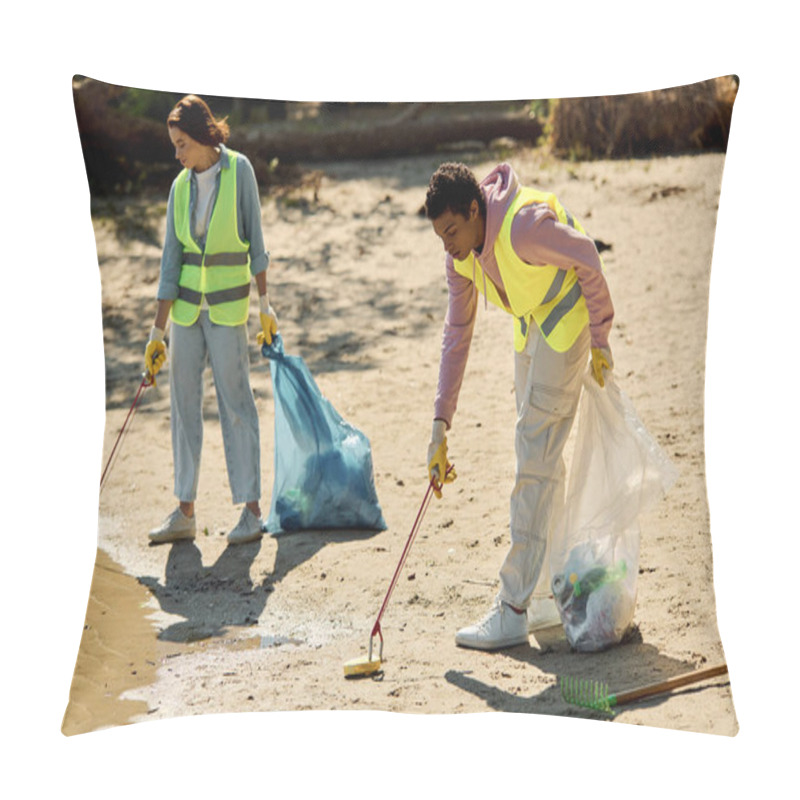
(192, 115)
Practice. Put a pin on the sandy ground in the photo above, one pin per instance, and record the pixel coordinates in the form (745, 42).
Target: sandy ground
(357, 282)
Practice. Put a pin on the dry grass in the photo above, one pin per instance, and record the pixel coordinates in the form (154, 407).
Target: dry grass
(680, 119)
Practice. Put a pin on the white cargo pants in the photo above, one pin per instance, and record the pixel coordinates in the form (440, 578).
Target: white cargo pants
(548, 386)
(225, 348)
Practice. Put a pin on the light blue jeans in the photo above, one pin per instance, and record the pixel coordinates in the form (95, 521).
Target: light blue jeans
(548, 387)
(225, 349)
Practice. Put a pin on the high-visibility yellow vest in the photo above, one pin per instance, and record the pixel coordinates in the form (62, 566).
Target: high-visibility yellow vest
(547, 295)
(221, 271)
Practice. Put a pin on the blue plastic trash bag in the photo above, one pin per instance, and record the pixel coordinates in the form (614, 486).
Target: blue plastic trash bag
(323, 465)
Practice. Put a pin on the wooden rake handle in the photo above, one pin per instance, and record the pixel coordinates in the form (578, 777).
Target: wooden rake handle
(671, 683)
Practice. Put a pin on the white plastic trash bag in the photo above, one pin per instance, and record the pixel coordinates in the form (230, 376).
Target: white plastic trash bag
(618, 471)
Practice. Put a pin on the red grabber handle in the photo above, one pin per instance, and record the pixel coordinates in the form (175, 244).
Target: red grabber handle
(376, 628)
(147, 381)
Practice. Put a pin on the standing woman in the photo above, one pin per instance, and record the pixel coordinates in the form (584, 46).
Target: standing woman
(213, 245)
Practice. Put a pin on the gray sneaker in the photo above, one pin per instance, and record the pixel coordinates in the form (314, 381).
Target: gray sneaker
(501, 627)
(247, 529)
(175, 527)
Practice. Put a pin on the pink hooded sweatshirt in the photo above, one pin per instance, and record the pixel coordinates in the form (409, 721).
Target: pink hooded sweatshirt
(539, 239)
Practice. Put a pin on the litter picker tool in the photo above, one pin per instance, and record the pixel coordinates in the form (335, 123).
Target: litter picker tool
(595, 695)
(369, 665)
(147, 380)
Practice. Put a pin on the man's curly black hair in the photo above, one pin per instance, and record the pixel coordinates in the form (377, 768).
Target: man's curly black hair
(453, 187)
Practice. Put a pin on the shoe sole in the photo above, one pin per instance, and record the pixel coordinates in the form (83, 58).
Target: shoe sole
(245, 539)
(490, 646)
(170, 537)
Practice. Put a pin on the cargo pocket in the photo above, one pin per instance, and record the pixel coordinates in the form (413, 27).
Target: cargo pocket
(553, 400)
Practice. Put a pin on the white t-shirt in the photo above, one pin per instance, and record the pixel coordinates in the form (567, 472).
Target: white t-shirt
(206, 181)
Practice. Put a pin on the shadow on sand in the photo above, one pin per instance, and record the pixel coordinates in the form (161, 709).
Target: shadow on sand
(213, 598)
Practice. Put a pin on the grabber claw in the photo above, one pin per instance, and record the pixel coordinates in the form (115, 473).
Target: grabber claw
(366, 665)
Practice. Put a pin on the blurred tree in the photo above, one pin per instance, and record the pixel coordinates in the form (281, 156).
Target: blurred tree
(540, 108)
(277, 110)
(146, 103)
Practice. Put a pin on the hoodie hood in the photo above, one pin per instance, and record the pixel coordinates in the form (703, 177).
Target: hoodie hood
(499, 187)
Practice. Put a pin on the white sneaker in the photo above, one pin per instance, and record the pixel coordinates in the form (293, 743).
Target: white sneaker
(501, 627)
(175, 527)
(542, 613)
(247, 529)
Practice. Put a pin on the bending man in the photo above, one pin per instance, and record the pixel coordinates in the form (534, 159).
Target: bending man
(525, 253)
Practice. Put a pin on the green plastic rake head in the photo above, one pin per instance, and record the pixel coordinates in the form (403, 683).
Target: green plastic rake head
(588, 694)
(595, 694)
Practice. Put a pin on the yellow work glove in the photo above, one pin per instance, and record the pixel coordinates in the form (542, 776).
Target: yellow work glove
(601, 359)
(269, 322)
(155, 354)
(440, 471)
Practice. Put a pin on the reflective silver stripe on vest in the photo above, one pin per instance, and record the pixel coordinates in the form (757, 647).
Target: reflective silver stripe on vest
(566, 305)
(558, 282)
(216, 259)
(189, 295)
(226, 260)
(214, 298)
(228, 295)
(555, 286)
